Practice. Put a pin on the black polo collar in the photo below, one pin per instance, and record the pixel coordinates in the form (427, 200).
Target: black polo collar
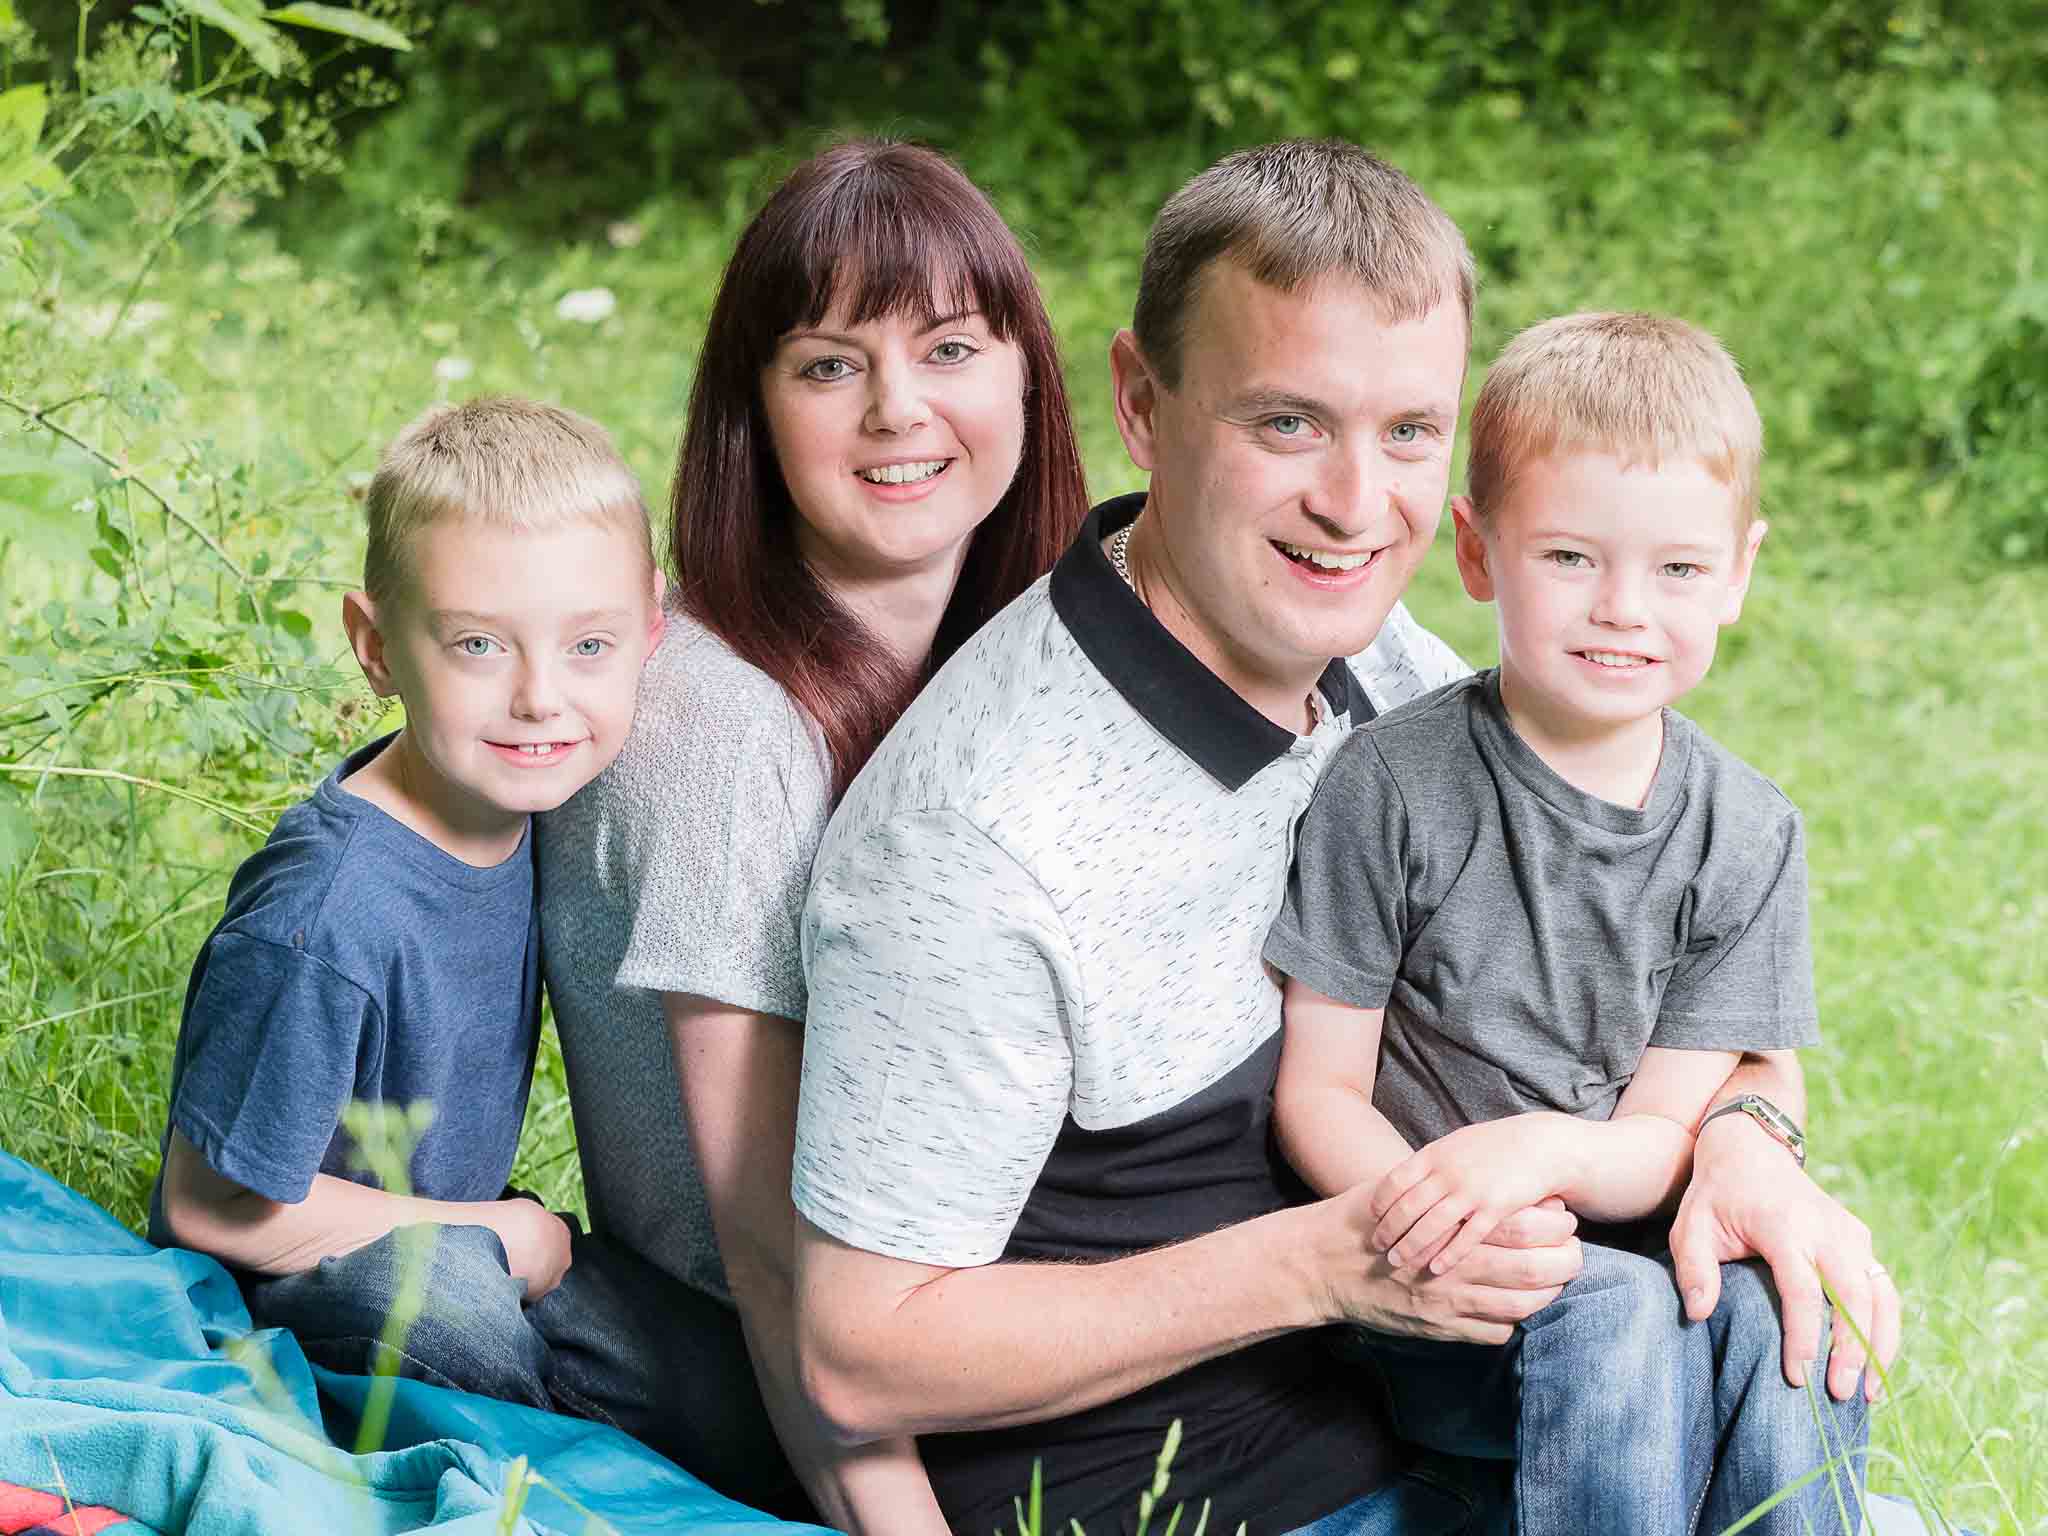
(1158, 676)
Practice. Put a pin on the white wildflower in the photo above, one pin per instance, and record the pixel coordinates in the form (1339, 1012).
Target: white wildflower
(587, 305)
(453, 370)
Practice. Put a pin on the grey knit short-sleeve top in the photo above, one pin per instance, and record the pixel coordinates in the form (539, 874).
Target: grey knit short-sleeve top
(681, 868)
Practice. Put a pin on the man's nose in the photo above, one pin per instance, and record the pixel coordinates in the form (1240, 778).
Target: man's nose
(1349, 491)
(896, 402)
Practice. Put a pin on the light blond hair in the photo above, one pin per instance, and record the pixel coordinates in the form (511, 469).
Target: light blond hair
(1290, 213)
(1648, 389)
(501, 462)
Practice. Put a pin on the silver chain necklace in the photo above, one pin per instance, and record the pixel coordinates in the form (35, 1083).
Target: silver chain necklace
(1120, 552)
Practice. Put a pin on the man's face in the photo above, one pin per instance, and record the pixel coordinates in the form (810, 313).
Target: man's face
(1298, 469)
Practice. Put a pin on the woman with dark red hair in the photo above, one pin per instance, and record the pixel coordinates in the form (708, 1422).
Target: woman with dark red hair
(878, 457)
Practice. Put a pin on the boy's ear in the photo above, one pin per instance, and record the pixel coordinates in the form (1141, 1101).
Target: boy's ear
(1745, 567)
(1134, 392)
(1471, 547)
(359, 618)
(659, 619)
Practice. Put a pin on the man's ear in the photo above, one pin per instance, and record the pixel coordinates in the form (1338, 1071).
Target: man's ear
(359, 618)
(1745, 567)
(1134, 392)
(1471, 547)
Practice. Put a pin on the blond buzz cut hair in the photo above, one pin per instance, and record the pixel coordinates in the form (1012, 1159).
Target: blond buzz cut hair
(1648, 389)
(1288, 214)
(501, 462)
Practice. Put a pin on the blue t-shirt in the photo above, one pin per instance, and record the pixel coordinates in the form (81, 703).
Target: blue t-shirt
(357, 961)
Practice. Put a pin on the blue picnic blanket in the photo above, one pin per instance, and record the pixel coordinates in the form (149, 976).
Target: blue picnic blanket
(130, 1378)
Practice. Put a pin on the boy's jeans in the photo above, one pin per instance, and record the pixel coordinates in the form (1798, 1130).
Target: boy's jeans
(618, 1341)
(1627, 1419)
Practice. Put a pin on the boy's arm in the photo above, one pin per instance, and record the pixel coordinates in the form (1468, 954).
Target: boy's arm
(739, 1072)
(1441, 1203)
(238, 1226)
(1323, 1113)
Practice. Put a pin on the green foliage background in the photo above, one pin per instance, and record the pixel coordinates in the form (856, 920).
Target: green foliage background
(223, 284)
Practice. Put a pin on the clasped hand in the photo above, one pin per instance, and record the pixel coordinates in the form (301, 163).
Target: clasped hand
(1437, 1206)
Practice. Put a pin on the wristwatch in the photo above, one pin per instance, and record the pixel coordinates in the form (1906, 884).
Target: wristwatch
(1778, 1125)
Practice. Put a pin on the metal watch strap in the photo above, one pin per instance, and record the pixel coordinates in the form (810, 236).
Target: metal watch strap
(1778, 1125)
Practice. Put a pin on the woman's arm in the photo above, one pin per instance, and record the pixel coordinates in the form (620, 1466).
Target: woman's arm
(739, 1072)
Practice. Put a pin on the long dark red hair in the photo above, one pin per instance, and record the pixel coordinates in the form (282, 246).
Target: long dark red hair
(896, 221)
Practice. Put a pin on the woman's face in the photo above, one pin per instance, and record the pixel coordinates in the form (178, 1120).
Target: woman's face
(895, 438)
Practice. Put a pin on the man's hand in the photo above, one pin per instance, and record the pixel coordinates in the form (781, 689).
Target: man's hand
(536, 1244)
(1747, 1198)
(1440, 1204)
(1530, 1256)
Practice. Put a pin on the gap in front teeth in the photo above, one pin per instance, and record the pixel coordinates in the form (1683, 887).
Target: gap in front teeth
(902, 474)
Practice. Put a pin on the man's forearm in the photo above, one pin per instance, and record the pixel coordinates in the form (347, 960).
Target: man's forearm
(1017, 1343)
(1775, 1075)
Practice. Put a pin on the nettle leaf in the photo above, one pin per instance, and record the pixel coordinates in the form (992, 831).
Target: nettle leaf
(252, 32)
(343, 23)
(17, 834)
(292, 622)
(39, 495)
(21, 121)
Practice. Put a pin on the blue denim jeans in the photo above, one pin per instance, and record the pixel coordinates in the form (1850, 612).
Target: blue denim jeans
(618, 1341)
(1618, 1416)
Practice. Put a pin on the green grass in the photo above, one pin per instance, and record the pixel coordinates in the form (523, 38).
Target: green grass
(1892, 681)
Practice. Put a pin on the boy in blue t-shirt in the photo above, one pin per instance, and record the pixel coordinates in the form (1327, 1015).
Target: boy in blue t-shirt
(382, 948)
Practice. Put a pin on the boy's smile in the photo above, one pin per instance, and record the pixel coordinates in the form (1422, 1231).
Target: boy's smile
(1612, 583)
(518, 655)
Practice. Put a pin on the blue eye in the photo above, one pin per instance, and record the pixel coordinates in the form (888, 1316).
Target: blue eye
(1684, 570)
(956, 352)
(591, 647)
(475, 645)
(1407, 433)
(1570, 559)
(1289, 426)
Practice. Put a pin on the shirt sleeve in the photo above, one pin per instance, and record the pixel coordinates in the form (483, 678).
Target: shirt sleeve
(1343, 921)
(1404, 662)
(1745, 981)
(718, 842)
(270, 1045)
(937, 1065)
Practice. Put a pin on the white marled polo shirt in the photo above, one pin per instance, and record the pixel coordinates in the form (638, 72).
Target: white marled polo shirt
(1040, 1026)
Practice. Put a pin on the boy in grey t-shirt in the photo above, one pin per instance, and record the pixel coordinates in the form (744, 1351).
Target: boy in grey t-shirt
(1535, 917)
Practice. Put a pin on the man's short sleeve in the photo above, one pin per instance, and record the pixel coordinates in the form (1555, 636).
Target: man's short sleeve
(937, 1068)
(271, 1041)
(1745, 981)
(1343, 921)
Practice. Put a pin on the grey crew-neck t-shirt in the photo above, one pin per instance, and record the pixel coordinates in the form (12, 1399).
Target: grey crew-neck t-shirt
(1529, 940)
(680, 868)
(358, 961)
